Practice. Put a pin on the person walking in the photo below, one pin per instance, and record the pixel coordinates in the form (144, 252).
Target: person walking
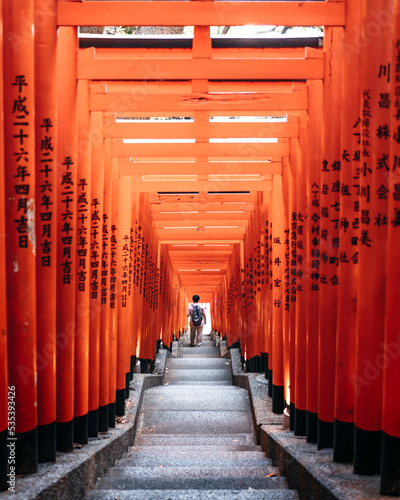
(197, 321)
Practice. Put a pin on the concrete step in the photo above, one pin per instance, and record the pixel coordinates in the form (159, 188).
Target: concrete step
(200, 382)
(204, 349)
(199, 375)
(183, 398)
(198, 353)
(213, 452)
(221, 494)
(147, 460)
(195, 422)
(198, 364)
(186, 343)
(221, 441)
(195, 472)
(190, 483)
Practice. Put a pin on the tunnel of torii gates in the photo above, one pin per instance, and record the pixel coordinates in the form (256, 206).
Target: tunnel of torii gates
(273, 193)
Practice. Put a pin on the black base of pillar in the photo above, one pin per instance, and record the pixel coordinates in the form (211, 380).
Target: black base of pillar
(81, 429)
(93, 423)
(120, 402)
(291, 417)
(325, 434)
(390, 479)
(343, 442)
(367, 452)
(103, 418)
(312, 427)
(278, 399)
(127, 383)
(65, 436)
(270, 383)
(133, 362)
(300, 422)
(47, 443)
(112, 408)
(25, 447)
(3, 460)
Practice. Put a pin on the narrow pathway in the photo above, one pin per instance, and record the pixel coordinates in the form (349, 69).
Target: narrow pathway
(195, 439)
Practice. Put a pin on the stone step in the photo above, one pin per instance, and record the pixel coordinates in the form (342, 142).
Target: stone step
(223, 442)
(190, 483)
(200, 382)
(198, 364)
(213, 452)
(199, 375)
(183, 398)
(186, 343)
(203, 349)
(221, 494)
(198, 353)
(147, 460)
(195, 422)
(187, 472)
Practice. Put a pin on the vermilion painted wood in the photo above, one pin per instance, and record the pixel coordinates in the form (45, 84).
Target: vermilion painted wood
(201, 13)
(83, 310)
(216, 170)
(3, 302)
(96, 211)
(46, 153)
(20, 263)
(67, 148)
(124, 226)
(314, 161)
(391, 408)
(105, 327)
(113, 284)
(199, 101)
(179, 130)
(348, 272)
(372, 238)
(261, 68)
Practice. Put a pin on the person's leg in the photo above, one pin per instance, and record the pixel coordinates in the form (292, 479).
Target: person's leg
(199, 334)
(192, 335)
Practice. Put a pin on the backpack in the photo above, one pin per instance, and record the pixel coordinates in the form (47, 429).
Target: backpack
(197, 317)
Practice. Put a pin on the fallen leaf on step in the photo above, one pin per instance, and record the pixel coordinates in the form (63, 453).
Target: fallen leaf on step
(247, 397)
(77, 446)
(128, 405)
(166, 383)
(271, 475)
(227, 362)
(235, 440)
(161, 466)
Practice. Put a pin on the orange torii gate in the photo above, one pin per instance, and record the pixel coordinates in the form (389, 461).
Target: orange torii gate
(150, 183)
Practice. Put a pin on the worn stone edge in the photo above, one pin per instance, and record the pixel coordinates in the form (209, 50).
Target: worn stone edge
(308, 470)
(74, 474)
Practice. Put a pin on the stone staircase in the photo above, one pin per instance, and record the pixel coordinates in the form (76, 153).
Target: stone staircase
(195, 439)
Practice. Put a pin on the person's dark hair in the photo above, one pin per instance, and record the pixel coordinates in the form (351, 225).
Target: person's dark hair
(196, 298)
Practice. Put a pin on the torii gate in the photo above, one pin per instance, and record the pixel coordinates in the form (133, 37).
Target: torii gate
(289, 228)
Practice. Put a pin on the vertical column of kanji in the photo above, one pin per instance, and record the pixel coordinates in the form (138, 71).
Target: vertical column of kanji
(81, 366)
(298, 222)
(19, 157)
(96, 215)
(3, 303)
(123, 245)
(46, 180)
(313, 182)
(377, 72)
(66, 233)
(293, 275)
(390, 481)
(132, 287)
(286, 282)
(112, 405)
(329, 252)
(105, 338)
(343, 436)
(278, 257)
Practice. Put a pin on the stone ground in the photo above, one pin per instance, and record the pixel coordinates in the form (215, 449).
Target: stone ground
(195, 438)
